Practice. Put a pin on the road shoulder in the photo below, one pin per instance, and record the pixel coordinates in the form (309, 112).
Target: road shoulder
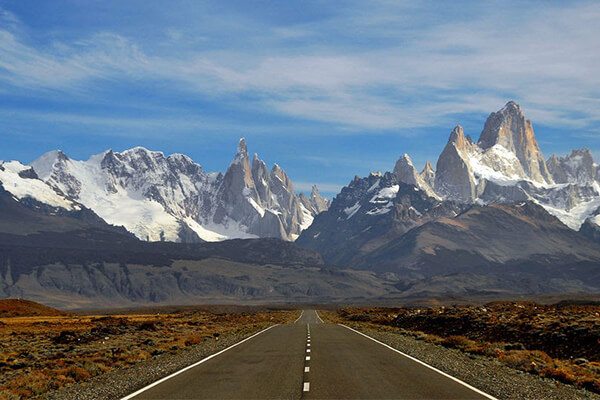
(486, 374)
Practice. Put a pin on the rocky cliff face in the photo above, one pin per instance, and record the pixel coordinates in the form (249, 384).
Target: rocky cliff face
(454, 177)
(172, 198)
(577, 167)
(406, 172)
(506, 165)
(509, 129)
(428, 174)
(368, 213)
(495, 203)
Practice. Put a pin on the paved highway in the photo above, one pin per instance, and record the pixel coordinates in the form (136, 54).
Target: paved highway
(310, 360)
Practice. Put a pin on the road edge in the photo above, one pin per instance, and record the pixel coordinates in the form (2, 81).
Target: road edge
(424, 364)
(158, 382)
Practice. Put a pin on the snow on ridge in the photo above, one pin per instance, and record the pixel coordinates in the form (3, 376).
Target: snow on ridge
(385, 194)
(259, 209)
(219, 232)
(44, 164)
(154, 196)
(574, 217)
(350, 211)
(36, 189)
(496, 164)
(307, 218)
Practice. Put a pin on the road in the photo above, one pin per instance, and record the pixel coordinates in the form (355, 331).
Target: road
(310, 360)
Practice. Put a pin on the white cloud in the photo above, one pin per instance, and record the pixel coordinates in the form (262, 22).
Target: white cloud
(545, 58)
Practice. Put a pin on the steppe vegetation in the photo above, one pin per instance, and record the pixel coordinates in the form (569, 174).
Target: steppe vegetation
(41, 353)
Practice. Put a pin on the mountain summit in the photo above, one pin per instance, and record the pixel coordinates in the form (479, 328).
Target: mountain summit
(504, 166)
(172, 198)
(510, 129)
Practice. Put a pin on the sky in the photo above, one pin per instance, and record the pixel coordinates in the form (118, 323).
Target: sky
(326, 89)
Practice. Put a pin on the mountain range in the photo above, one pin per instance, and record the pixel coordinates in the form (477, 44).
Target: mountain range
(493, 218)
(493, 215)
(171, 198)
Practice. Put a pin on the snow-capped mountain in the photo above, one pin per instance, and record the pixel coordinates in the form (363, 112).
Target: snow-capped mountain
(496, 183)
(172, 198)
(23, 184)
(506, 165)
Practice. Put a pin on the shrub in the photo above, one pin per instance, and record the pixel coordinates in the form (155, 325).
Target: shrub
(526, 360)
(193, 340)
(458, 342)
(559, 373)
(78, 374)
(147, 326)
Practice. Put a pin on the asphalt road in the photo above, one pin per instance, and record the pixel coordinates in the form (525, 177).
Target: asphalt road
(310, 360)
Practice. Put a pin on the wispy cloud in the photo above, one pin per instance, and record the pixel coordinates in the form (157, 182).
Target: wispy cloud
(416, 75)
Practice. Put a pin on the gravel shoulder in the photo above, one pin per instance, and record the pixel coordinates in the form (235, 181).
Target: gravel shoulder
(484, 373)
(122, 382)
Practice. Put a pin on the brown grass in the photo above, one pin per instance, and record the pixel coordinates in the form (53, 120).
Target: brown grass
(25, 308)
(42, 353)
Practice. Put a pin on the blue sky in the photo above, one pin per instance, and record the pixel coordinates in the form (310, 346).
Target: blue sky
(327, 89)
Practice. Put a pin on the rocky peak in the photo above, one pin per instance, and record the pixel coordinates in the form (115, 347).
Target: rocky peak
(576, 167)
(259, 169)
(428, 174)
(242, 151)
(239, 172)
(510, 129)
(454, 176)
(459, 140)
(320, 203)
(260, 174)
(180, 163)
(46, 163)
(406, 172)
(278, 174)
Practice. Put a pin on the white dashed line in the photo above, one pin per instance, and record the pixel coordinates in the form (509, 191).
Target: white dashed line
(308, 350)
(306, 386)
(308, 344)
(307, 358)
(306, 369)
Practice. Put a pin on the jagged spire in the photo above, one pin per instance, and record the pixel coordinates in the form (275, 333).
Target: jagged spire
(509, 128)
(242, 149)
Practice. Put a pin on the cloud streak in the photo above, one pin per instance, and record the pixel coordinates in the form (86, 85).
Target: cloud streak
(416, 76)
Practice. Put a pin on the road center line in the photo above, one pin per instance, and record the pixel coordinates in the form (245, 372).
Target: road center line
(307, 358)
(306, 386)
(306, 369)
